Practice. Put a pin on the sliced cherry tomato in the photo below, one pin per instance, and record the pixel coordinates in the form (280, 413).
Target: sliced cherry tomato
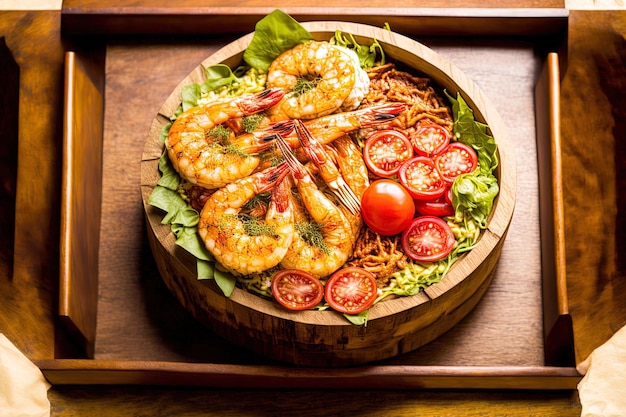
(427, 239)
(448, 196)
(387, 207)
(439, 207)
(421, 179)
(297, 290)
(351, 290)
(385, 151)
(430, 139)
(456, 159)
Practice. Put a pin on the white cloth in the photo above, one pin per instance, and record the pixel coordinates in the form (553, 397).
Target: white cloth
(602, 391)
(23, 388)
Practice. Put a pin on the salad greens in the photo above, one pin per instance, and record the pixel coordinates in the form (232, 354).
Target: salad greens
(473, 194)
(369, 56)
(273, 35)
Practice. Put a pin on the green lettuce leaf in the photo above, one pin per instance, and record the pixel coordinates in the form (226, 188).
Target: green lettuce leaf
(474, 193)
(274, 34)
(368, 55)
(218, 76)
(191, 93)
(225, 281)
(473, 133)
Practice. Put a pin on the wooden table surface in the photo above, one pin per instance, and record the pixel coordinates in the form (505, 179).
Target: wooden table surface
(592, 109)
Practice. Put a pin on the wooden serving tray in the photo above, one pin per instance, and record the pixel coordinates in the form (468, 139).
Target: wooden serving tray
(134, 332)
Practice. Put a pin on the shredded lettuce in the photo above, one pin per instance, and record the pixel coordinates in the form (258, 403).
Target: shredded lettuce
(369, 56)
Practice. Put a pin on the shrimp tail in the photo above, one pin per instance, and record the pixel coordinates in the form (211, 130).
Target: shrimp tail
(280, 193)
(259, 102)
(282, 128)
(310, 145)
(271, 177)
(327, 167)
(372, 116)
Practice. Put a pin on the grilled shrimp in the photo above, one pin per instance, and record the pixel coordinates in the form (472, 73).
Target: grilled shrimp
(316, 215)
(196, 152)
(334, 75)
(349, 159)
(328, 128)
(247, 248)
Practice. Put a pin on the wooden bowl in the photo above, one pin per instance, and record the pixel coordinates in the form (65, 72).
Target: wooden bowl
(325, 338)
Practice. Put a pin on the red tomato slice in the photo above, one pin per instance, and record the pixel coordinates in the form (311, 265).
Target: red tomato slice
(448, 196)
(420, 177)
(439, 207)
(351, 290)
(387, 207)
(429, 140)
(385, 151)
(297, 290)
(428, 239)
(456, 159)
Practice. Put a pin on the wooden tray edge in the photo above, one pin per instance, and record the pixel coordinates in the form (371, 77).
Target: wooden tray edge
(93, 20)
(99, 372)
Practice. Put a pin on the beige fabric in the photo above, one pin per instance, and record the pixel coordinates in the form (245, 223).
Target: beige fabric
(23, 389)
(602, 391)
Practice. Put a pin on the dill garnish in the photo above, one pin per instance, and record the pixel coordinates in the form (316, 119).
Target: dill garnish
(221, 133)
(311, 233)
(230, 148)
(258, 200)
(250, 123)
(303, 85)
(254, 227)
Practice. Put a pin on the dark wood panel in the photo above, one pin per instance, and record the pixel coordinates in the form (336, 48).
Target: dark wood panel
(214, 18)
(28, 290)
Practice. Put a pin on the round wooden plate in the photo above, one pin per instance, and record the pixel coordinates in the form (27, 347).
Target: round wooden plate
(325, 338)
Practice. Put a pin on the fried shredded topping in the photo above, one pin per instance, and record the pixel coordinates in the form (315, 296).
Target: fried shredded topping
(380, 255)
(424, 104)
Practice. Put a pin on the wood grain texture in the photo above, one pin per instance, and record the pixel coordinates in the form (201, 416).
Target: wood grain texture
(157, 6)
(594, 179)
(140, 401)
